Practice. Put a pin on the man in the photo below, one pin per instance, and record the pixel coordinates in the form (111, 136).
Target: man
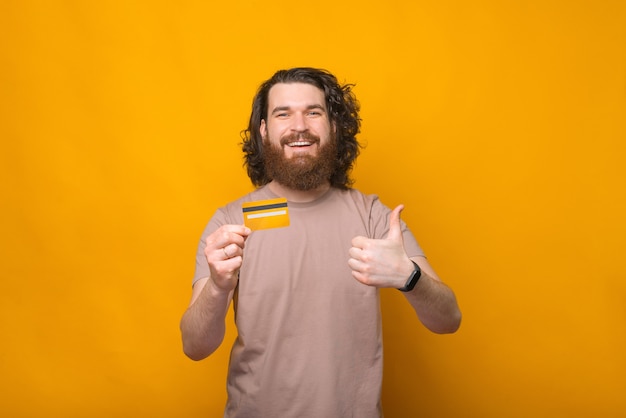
(305, 295)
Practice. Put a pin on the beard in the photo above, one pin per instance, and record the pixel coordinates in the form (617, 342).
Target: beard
(301, 172)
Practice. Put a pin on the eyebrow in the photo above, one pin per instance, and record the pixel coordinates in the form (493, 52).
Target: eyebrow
(309, 107)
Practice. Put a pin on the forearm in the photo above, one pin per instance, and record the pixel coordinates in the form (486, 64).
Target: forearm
(435, 305)
(203, 324)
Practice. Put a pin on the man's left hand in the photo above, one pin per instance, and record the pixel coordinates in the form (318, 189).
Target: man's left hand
(382, 262)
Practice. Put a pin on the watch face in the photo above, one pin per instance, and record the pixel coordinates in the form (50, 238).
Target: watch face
(413, 278)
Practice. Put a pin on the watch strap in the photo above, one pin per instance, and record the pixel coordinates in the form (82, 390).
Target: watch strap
(413, 278)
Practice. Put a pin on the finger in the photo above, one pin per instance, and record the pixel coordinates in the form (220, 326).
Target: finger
(359, 242)
(232, 251)
(237, 231)
(395, 229)
(228, 234)
(354, 264)
(244, 231)
(356, 253)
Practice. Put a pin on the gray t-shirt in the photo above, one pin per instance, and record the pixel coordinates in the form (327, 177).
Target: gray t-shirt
(309, 335)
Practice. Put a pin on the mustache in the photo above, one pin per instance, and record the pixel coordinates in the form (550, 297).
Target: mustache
(299, 136)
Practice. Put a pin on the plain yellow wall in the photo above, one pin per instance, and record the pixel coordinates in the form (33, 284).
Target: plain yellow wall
(499, 124)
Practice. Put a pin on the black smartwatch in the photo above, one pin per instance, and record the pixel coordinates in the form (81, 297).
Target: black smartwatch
(413, 278)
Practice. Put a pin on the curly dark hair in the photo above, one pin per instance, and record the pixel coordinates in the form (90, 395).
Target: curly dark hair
(343, 111)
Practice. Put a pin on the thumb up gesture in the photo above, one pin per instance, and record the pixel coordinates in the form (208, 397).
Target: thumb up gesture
(381, 262)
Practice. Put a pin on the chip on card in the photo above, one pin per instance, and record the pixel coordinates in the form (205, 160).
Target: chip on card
(265, 214)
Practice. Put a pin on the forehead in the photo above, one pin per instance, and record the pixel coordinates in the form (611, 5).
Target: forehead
(295, 94)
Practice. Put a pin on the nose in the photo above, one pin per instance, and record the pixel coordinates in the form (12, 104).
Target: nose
(299, 123)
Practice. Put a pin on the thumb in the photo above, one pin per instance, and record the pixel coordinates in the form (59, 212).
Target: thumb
(395, 230)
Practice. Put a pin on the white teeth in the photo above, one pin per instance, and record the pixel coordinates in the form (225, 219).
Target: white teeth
(299, 144)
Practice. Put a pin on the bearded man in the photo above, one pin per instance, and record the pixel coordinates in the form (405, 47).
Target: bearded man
(305, 289)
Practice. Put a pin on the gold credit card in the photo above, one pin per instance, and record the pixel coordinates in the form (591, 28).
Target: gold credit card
(265, 214)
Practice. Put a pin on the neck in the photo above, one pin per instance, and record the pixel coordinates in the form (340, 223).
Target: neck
(298, 196)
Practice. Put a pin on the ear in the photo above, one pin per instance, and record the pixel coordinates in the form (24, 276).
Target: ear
(263, 129)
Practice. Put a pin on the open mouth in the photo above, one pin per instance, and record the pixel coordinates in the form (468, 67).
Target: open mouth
(300, 140)
(296, 144)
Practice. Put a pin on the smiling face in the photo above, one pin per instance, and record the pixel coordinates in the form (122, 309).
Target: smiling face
(297, 119)
(298, 142)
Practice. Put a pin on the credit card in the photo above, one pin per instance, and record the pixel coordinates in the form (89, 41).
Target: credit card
(265, 214)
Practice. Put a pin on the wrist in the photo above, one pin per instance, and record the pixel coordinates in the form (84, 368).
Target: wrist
(412, 279)
(218, 291)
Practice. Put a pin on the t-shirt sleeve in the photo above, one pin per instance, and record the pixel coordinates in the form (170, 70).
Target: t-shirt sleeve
(202, 266)
(379, 220)
(229, 214)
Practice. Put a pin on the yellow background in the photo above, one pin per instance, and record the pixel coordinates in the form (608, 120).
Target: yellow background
(499, 124)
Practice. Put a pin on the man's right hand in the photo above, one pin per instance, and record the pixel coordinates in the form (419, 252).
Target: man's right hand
(224, 253)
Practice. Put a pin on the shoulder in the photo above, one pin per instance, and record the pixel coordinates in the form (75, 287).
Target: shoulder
(231, 212)
(358, 198)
